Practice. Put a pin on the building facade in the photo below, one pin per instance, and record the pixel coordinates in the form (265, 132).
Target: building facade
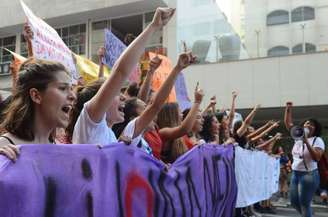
(80, 24)
(227, 35)
(279, 27)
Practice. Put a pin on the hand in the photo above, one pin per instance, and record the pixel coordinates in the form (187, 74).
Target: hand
(271, 122)
(213, 101)
(199, 94)
(234, 94)
(229, 141)
(154, 64)
(125, 139)
(101, 53)
(289, 105)
(162, 17)
(28, 33)
(10, 151)
(257, 107)
(185, 59)
(305, 138)
(276, 124)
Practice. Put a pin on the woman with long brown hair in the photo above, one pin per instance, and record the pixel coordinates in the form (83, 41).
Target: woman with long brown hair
(172, 128)
(41, 102)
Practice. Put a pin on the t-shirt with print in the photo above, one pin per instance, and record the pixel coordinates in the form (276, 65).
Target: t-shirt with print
(302, 155)
(86, 131)
(129, 132)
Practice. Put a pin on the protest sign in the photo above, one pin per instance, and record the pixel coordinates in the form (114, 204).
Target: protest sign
(114, 48)
(257, 176)
(47, 44)
(161, 73)
(182, 93)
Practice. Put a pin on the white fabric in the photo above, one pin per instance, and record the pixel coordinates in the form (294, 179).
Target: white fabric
(257, 176)
(87, 131)
(299, 157)
(129, 132)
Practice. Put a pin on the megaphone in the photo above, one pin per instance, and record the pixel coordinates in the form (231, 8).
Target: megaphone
(298, 132)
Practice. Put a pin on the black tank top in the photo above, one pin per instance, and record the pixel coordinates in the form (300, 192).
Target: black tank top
(9, 140)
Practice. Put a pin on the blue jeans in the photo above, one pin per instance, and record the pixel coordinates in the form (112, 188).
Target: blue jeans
(302, 188)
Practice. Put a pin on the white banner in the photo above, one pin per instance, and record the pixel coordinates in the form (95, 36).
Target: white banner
(257, 176)
(47, 44)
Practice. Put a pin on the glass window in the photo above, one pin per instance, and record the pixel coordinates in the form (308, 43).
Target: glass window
(278, 17)
(5, 57)
(297, 49)
(278, 51)
(98, 37)
(23, 47)
(74, 37)
(303, 14)
(200, 2)
(225, 30)
(209, 32)
(309, 48)
(121, 27)
(127, 25)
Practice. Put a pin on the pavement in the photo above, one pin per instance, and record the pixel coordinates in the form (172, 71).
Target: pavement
(283, 209)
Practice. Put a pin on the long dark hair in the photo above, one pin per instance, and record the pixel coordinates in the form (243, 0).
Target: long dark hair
(19, 115)
(317, 126)
(169, 117)
(206, 133)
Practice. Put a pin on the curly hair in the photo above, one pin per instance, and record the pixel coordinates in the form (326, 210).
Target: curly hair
(316, 124)
(206, 133)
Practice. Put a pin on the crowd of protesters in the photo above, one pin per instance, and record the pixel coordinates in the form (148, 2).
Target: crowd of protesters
(46, 108)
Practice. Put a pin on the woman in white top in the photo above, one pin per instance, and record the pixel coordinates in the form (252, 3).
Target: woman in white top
(102, 107)
(306, 153)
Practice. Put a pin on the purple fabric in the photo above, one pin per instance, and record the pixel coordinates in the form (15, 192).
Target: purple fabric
(118, 181)
(182, 93)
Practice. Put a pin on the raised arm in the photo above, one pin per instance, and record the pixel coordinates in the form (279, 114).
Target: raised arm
(266, 131)
(211, 106)
(101, 54)
(100, 103)
(260, 130)
(28, 35)
(288, 116)
(186, 125)
(145, 87)
(248, 120)
(233, 109)
(152, 109)
(269, 143)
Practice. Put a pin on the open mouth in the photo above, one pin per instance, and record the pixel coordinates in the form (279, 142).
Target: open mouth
(66, 109)
(121, 108)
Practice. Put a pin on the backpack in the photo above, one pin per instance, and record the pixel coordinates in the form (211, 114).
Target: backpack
(323, 170)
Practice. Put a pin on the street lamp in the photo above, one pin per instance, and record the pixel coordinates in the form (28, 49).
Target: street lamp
(257, 31)
(303, 37)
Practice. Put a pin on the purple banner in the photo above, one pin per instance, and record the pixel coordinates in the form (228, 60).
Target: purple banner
(118, 181)
(181, 92)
